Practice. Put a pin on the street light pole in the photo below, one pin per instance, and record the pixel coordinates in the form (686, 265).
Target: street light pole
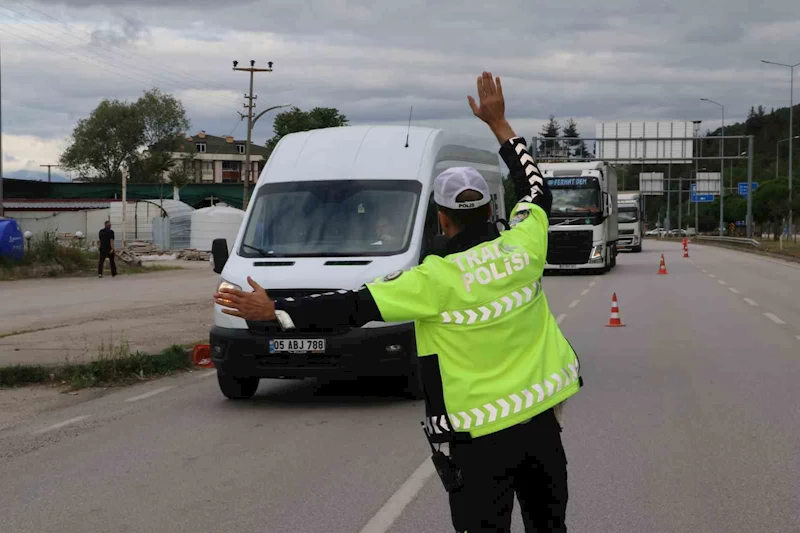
(778, 152)
(249, 106)
(791, 130)
(696, 204)
(721, 169)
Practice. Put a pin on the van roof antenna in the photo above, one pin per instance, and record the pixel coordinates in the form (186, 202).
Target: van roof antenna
(409, 125)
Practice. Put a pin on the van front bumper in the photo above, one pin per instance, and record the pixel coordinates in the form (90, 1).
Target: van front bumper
(380, 351)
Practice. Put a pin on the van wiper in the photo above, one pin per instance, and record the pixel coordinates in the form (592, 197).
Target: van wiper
(263, 252)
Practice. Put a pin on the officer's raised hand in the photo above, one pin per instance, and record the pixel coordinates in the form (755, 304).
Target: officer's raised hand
(491, 106)
(255, 306)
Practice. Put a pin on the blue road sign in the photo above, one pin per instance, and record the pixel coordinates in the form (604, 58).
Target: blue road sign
(743, 187)
(701, 198)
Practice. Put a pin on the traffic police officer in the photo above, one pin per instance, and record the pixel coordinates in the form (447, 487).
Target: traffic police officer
(494, 362)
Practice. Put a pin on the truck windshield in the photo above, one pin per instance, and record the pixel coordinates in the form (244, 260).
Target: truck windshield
(627, 214)
(575, 196)
(331, 218)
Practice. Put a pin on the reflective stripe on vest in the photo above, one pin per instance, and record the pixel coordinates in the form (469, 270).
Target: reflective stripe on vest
(512, 404)
(495, 309)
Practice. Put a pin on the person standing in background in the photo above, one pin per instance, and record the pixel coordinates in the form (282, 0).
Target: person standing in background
(106, 250)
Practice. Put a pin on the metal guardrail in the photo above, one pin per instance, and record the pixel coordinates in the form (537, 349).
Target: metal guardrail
(734, 240)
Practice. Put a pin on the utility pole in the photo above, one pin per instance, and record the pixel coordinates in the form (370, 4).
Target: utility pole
(1, 141)
(721, 169)
(791, 133)
(48, 170)
(249, 106)
(124, 202)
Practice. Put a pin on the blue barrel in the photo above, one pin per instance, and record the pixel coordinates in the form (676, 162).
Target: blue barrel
(12, 243)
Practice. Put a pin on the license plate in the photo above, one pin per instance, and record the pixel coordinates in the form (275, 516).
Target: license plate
(297, 346)
(569, 267)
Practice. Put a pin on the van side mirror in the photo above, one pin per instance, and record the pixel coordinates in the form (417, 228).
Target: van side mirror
(219, 254)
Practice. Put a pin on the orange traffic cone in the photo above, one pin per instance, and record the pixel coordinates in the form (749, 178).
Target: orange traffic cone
(663, 268)
(614, 321)
(201, 356)
(684, 242)
(685, 250)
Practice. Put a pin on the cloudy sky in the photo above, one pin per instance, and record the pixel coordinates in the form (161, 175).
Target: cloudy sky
(616, 60)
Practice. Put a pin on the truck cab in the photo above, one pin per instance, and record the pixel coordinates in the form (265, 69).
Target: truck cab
(631, 221)
(583, 219)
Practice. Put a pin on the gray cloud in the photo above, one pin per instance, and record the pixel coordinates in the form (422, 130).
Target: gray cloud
(129, 32)
(619, 60)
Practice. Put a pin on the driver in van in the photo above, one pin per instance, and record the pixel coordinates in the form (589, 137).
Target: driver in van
(386, 233)
(495, 365)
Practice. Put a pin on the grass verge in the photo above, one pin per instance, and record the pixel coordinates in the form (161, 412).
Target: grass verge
(46, 258)
(115, 366)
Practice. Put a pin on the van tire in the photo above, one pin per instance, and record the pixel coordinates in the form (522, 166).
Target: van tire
(414, 390)
(237, 388)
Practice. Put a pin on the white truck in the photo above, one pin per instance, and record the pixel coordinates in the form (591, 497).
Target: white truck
(631, 221)
(583, 220)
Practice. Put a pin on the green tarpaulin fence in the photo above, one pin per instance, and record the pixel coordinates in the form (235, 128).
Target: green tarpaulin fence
(194, 194)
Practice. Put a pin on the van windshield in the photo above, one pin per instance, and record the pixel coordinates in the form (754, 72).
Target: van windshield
(331, 218)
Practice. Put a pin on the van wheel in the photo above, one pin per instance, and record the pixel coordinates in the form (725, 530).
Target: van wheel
(413, 383)
(237, 388)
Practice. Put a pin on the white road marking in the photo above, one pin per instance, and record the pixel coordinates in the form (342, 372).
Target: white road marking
(712, 276)
(585, 292)
(734, 291)
(206, 374)
(774, 318)
(721, 282)
(574, 303)
(592, 284)
(391, 510)
(561, 318)
(797, 337)
(704, 271)
(149, 394)
(61, 424)
(751, 302)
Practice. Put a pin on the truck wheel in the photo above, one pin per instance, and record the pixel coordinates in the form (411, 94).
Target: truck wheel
(237, 388)
(638, 249)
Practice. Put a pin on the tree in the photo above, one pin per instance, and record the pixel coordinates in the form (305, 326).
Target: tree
(296, 120)
(576, 147)
(100, 143)
(182, 171)
(164, 121)
(552, 129)
(140, 135)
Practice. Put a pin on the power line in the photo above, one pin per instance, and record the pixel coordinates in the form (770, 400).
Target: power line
(173, 81)
(149, 60)
(100, 66)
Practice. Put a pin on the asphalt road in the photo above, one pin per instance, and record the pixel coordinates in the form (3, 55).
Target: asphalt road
(688, 422)
(54, 320)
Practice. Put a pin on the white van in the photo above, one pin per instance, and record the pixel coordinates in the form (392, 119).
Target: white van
(333, 209)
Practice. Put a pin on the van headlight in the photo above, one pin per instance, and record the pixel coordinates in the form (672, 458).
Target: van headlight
(227, 285)
(596, 255)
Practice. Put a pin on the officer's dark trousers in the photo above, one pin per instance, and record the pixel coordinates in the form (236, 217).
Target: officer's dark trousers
(527, 460)
(101, 262)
